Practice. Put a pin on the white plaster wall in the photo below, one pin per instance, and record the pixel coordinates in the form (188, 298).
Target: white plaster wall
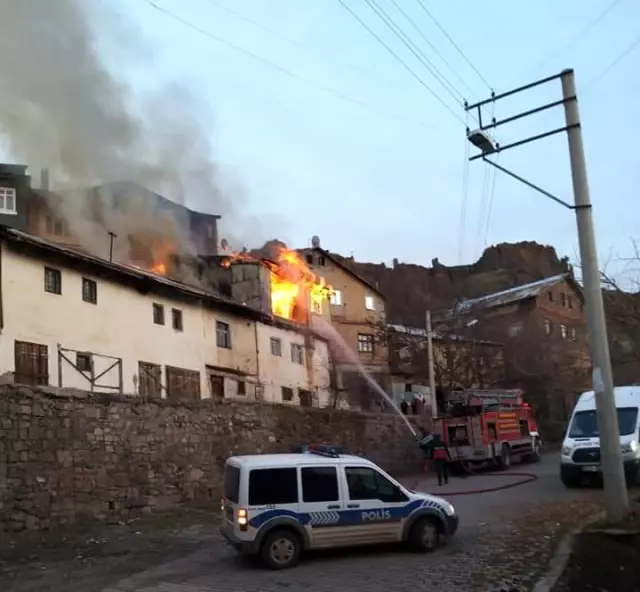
(279, 371)
(120, 325)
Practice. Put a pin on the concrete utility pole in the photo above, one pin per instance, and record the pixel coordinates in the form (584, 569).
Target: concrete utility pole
(615, 489)
(616, 499)
(432, 378)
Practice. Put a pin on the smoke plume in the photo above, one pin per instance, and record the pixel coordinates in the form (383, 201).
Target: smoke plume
(62, 108)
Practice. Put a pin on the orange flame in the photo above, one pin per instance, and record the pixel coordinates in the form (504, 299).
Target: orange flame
(293, 284)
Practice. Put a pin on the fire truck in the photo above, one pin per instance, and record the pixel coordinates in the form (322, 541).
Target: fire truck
(489, 426)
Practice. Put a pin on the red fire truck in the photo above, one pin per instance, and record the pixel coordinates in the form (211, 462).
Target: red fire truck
(489, 426)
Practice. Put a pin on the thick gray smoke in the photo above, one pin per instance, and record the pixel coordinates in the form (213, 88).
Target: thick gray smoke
(61, 107)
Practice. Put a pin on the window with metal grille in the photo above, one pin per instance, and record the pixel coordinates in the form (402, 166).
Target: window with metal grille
(223, 335)
(297, 356)
(89, 291)
(365, 343)
(84, 362)
(8, 200)
(52, 280)
(182, 384)
(31, 363)
(149, 380)
(306, 398)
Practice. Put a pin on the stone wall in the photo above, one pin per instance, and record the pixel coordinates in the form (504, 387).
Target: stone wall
(68, 455)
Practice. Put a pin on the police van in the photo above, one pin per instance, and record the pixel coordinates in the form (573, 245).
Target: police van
(275, 506)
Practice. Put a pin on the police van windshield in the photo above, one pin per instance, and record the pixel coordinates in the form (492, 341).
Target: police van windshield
(585, 423)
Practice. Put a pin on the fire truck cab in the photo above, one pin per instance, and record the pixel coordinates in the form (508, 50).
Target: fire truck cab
(489, 426)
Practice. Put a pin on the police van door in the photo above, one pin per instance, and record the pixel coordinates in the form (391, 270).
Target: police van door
(374, 506)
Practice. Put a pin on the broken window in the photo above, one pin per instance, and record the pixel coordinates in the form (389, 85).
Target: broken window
(182, 384)
(149, 380)
(52, 280)
(276, 347)
(336, 298)
(365, 343)
(223, 335)
(158, 314)
(31, 363)
(369, 303)
(89, 291)
(176, 318)
(297, 356)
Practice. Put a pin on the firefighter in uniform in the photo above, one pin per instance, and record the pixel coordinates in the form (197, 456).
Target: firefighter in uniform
(440, 455)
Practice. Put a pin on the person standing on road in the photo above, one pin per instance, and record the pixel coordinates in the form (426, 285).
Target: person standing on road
(440, 455)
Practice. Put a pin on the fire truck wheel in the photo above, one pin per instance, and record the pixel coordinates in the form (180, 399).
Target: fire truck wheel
(425, 535)
(504, 462)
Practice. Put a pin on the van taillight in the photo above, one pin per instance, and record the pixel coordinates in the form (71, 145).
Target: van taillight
(242, 518)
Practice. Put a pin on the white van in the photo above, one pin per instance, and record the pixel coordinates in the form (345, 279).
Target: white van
(276, 506)
(581, 447)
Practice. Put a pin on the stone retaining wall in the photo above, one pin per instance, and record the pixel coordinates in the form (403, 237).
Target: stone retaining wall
(68, 455)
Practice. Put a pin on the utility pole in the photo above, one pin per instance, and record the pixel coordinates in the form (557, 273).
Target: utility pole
(111, 237)
(432, 378)
(616, 498)
(615, 489)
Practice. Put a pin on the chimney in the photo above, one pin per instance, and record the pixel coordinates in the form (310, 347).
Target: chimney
(44, 179)
(395, 262)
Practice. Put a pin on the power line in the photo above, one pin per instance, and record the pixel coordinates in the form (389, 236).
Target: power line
(455, 45)
(581, 34)
(433, 47)
(283, 70)
(289, 40)
(613, 64)
(415, 50)
(399, 59)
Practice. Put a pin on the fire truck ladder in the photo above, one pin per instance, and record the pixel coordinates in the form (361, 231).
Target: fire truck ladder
(497, 399)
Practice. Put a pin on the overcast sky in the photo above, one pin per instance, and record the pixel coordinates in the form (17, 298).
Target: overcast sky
(334, 137)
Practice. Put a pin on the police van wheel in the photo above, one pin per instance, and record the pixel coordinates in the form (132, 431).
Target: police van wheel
(280, 549)
(425, 535)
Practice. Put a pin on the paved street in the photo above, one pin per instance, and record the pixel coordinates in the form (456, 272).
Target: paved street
(505, 536)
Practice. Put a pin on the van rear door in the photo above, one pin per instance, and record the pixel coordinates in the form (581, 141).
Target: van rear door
(231, 491)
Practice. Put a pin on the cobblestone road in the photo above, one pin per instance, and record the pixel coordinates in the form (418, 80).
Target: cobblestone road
(505, 537)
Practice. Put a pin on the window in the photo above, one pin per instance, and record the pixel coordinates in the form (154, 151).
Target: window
(408, 387)
(273, 486)
(550, 295)
(573, 334)
(367, 484)
(287, 393)
(216, 385)
(369, 303)
(31, 363)
(310, 259)
(585, 423)
(297, 356)
(182, 384)
(319, 484)
(569, 302)
(306, 398)
(516, 329)
(322, 261)
(547, 326)
(176, 319)
(241, 389)
(89, 291)
(52, 280)
(84, 362)
(149, 380)
(563, 331)
(276, 347)
(365, 343)
(223, 335)
(336, 298)
(7, 200)
(563, 299)
(231, 490)
(158, 314)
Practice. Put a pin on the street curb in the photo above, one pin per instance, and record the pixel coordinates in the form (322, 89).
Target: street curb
(560, 559)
